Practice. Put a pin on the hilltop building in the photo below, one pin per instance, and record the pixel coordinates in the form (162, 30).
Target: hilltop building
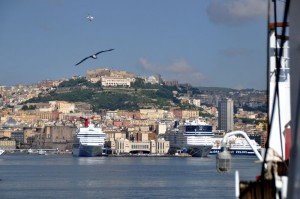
(109, 77)
(171, 83)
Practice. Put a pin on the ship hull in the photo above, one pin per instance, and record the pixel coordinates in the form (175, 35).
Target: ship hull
(234, 152)
(87, 151)
(199, 151)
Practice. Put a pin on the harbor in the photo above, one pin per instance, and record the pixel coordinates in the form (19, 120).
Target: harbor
(150, 99)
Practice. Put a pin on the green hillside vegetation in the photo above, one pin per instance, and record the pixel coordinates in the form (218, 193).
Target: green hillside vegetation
(78, 82)
(140, 95)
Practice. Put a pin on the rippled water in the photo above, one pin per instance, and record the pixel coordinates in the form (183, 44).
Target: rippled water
(56, 176)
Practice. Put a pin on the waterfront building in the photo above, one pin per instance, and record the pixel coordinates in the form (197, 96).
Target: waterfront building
(121, 146)
(125, 146)
(7, 143)
(29, 134)
(225, 111)
(5, 133)
(18, 136)
(142, 136)
(53, 137)
(161, 146)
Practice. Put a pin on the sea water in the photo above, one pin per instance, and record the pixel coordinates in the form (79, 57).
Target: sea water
(64, 176)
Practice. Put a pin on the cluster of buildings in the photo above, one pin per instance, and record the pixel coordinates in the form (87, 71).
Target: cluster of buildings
(53, 124)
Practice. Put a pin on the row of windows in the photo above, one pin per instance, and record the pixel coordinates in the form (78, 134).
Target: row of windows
(86, 136)
(202, 128)
(140, 146)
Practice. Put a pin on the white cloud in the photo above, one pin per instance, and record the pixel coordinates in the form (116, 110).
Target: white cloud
(178, 69)
(236, 12)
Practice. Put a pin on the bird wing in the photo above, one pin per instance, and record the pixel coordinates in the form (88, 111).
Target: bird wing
(82, 60)
(103, 51)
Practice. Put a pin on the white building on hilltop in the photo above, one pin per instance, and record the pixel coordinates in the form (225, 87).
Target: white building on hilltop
(110, 77)
(116, 81)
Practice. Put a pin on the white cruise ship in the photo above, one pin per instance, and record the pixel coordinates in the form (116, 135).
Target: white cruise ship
(236, 146)
(191, 137)
(89, 141)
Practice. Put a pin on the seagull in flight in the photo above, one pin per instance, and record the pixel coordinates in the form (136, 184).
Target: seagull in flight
(90, 17)
(94, 56)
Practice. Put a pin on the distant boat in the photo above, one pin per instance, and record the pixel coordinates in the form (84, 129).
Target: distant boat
(42, 152)
(2, 151)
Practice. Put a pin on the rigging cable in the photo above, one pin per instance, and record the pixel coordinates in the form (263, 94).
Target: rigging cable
(268, 93)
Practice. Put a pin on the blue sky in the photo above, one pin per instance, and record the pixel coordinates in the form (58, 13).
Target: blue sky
(202, 42)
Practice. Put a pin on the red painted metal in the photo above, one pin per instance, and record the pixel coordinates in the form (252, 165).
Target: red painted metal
(288, 141)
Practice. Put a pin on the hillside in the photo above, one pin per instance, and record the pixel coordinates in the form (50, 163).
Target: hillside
(140, 95)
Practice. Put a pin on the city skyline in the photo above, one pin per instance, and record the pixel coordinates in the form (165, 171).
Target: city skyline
(201, 43)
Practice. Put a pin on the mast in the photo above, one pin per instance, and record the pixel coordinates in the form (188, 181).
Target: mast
(279, 92)
(273, 182)
(294, 174)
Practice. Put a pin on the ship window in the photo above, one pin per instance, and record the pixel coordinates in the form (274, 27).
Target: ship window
(203, 128)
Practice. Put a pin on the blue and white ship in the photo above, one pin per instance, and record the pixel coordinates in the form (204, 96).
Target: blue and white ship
(194, 138)
(236, 146)
(89, 141)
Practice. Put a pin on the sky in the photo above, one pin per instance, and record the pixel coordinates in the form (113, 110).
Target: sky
(218, 43)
